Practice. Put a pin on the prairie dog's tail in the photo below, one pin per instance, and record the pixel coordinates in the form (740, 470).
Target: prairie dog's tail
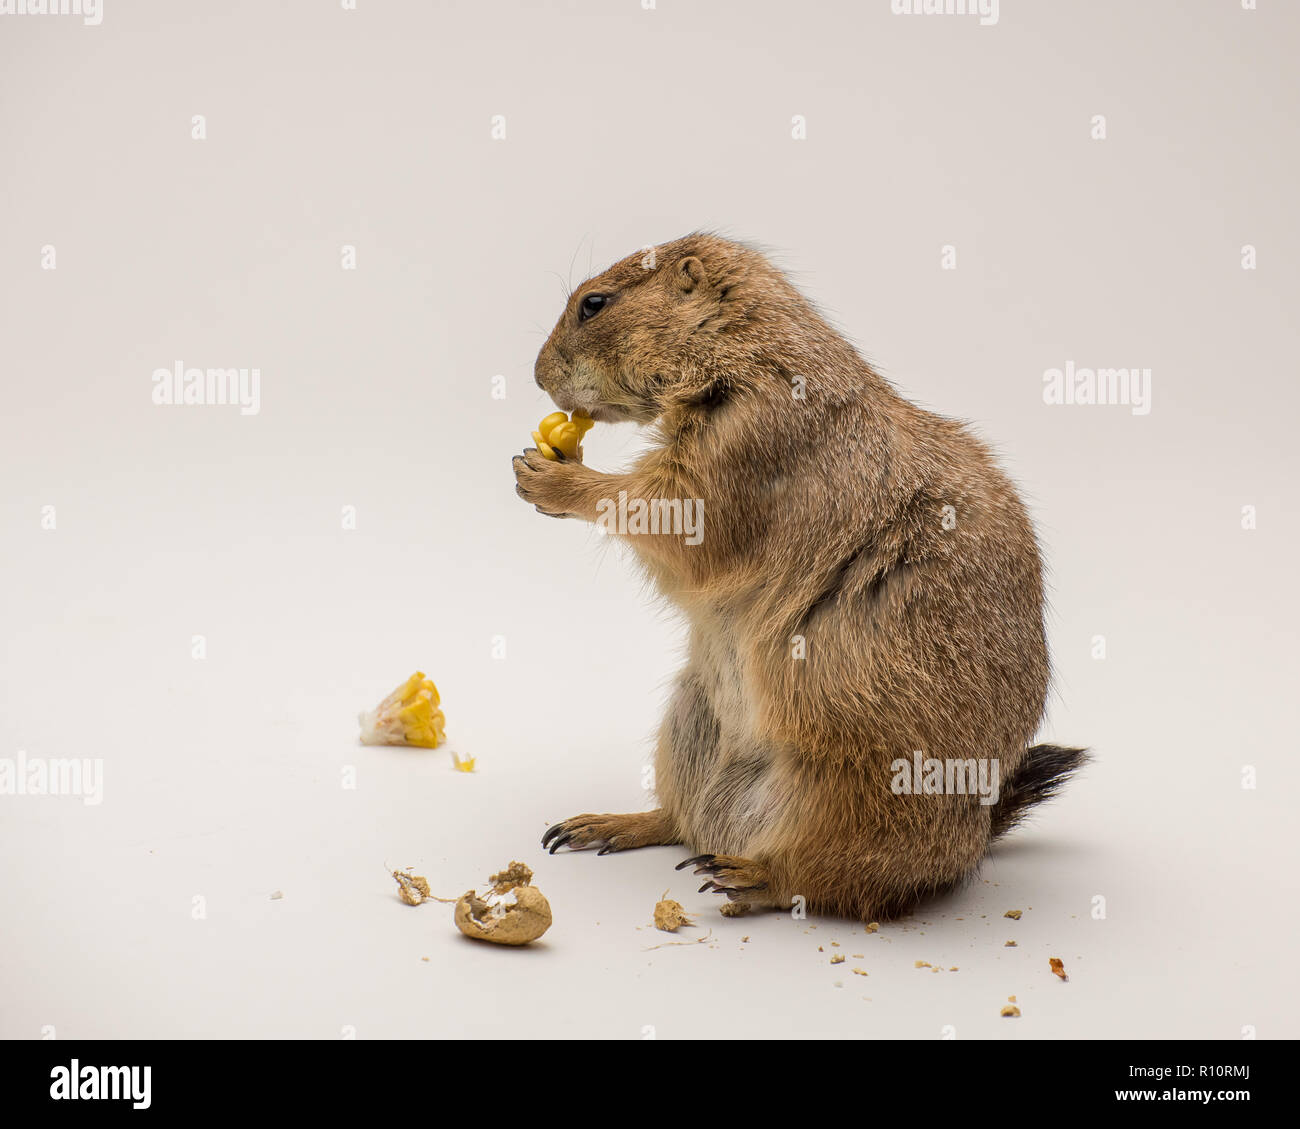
(1039, 777)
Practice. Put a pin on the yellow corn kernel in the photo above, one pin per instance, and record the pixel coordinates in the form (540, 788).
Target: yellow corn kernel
(557, 432)
(408, 716)
(542, 445)
(565, 438)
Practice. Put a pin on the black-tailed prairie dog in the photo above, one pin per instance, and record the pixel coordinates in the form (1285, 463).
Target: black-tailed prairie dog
(864, 592)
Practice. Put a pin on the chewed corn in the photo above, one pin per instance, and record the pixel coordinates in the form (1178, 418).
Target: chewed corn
(408, 716)
(557, 432)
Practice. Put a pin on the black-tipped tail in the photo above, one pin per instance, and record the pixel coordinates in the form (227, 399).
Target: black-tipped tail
(1039, 777)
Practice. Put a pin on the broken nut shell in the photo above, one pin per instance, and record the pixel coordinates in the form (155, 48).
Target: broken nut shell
(507, 923)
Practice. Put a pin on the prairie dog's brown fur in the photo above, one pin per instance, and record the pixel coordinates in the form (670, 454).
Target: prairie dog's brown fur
(868, 586)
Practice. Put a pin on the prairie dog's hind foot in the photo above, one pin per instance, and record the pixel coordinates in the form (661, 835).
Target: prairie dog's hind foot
(612, 832)
(745, 882)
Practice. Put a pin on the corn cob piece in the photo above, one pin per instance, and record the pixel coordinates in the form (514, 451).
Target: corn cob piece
(408, 716)
(557, 432)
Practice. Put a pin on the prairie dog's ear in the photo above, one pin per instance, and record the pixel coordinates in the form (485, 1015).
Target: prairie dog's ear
(690, 274)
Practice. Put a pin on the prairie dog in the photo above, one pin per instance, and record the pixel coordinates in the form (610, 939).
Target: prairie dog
(867, 592)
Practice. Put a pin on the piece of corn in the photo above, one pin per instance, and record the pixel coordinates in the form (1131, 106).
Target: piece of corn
(557, 432)
(408, 716)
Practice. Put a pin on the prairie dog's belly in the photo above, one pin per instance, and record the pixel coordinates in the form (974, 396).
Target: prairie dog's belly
(734, 797)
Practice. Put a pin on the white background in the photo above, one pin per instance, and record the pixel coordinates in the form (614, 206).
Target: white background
(624, 127)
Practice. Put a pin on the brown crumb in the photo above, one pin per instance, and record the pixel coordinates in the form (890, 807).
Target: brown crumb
(515, 875)
(1011, 1011)
(412, 888)
(424, 958)
(859, 972)
(1058, 967)
(669, 915)
(743, 940)
(838, 958)
(1012, 998)
(1009, 945)
(859, 956)
(953, 968)
(1014, 914)
(922, 964)
(873, 927)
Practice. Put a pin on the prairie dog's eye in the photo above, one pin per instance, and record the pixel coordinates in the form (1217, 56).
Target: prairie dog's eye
(591, 305)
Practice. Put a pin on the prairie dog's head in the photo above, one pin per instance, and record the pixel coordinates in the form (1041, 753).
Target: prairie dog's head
(643, 331)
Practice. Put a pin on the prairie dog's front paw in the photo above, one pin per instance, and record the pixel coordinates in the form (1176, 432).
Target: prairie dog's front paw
(548, 485)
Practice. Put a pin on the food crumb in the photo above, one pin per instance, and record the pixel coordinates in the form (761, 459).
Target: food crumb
(1014, 914)
(838, 958)
(1009, 945)
(669, 915)
(873, 927)
(1011, 1011)
(277, 895)
(1058, 967)
(859, 972)
(412, 888)
(1012, 999)
(516, 874)
(922, 964)
(859, 956)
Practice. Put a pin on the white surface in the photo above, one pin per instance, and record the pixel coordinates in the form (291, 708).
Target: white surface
(223, 776)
